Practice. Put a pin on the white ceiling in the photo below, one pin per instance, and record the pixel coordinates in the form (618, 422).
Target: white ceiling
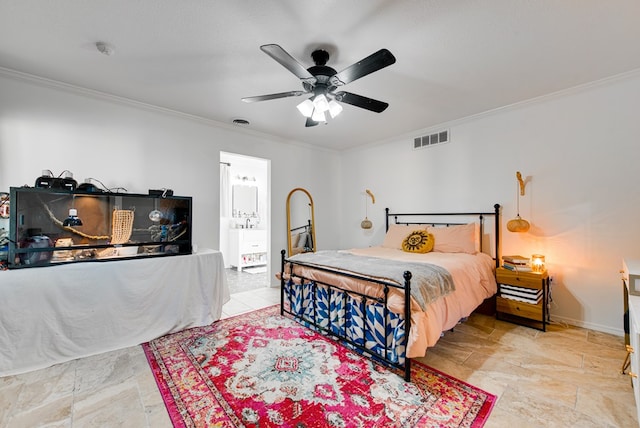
(454, 58)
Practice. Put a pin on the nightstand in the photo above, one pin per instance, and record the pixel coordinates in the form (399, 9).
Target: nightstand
(523, 297)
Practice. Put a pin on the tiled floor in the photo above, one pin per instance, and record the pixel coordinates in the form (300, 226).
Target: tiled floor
(244, 281)
(566, 377)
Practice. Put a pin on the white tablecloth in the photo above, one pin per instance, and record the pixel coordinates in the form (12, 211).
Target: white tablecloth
(49, 315)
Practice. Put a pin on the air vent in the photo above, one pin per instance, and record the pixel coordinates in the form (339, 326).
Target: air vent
(431, 139)
(241, 122)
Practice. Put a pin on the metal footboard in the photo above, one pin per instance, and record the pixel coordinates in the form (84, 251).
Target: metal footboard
(287, 274)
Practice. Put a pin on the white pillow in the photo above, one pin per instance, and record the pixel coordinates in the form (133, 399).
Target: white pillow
(303, 241)
(455, 239)
(397, 232)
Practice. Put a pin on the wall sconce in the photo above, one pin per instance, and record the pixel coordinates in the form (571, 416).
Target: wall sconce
(366, 223)
(518, 224)
(537, 263)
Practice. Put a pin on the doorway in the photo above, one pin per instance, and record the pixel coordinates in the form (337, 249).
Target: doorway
(245, 220)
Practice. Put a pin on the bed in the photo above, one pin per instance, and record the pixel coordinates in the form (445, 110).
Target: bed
(363, 297)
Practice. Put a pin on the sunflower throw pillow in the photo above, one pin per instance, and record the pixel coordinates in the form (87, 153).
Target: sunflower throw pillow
(418, 241)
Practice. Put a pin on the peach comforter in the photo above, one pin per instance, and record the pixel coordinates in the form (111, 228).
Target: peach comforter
(473, 276)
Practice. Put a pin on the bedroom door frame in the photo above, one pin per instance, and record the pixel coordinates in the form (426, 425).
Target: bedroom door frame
(244, 168)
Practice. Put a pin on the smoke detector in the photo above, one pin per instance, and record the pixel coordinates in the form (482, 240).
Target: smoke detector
(104, 48)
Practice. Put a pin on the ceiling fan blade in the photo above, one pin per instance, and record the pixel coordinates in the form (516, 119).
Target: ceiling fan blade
(272, 96)
(373, 62)
(362, 102)
(286, 60)
(310, 122)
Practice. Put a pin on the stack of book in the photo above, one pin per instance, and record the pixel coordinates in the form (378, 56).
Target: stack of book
(521, 294)
(516, 263)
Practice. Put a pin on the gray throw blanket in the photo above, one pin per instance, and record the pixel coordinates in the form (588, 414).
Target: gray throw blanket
(428, 281)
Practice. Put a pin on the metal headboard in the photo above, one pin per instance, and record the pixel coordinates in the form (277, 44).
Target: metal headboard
(423, 219)
(306, 227)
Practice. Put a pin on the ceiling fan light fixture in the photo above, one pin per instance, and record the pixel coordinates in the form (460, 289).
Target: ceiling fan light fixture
(334, 108)
(318, 116)
(306, 108)
(320, 102)
(322, 81)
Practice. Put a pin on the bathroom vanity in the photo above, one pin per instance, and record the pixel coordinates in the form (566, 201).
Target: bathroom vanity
(247, 248)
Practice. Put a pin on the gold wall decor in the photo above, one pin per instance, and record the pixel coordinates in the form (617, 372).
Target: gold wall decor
(366, 223)
(518, 224)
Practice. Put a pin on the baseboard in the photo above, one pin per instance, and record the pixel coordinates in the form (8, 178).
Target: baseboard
(588, 325)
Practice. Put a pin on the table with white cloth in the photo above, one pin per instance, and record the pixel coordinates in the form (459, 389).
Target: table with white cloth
(49, 315)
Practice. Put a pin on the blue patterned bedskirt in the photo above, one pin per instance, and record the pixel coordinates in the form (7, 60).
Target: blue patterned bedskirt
(348, 316)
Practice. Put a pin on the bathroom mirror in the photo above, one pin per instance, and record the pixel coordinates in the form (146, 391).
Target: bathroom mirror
(301, 233)
(244, 200)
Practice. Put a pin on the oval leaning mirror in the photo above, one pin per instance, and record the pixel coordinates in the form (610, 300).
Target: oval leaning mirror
(301, 233)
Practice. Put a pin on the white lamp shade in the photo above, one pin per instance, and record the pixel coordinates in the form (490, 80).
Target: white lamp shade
(318, 116)
(306, 108)
(334, 108)
(320, 102)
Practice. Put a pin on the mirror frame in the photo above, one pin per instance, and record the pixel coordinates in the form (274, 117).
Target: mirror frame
(313, 220)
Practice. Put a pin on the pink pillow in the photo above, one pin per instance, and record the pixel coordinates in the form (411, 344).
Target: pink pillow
(397, 232)
(455, 239)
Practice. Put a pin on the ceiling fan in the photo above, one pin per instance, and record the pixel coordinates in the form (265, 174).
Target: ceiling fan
(322, 81)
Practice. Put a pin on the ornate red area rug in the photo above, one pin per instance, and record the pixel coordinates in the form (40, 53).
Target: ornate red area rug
(264, 370)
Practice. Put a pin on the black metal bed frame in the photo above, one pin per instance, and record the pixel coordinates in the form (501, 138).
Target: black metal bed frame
(306, 227)
(386, 286)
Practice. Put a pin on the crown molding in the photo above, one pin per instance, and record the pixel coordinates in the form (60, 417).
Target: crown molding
(104, 96)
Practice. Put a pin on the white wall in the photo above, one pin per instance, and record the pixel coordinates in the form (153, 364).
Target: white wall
(579, 149)
(581, 152)
(44, 126)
